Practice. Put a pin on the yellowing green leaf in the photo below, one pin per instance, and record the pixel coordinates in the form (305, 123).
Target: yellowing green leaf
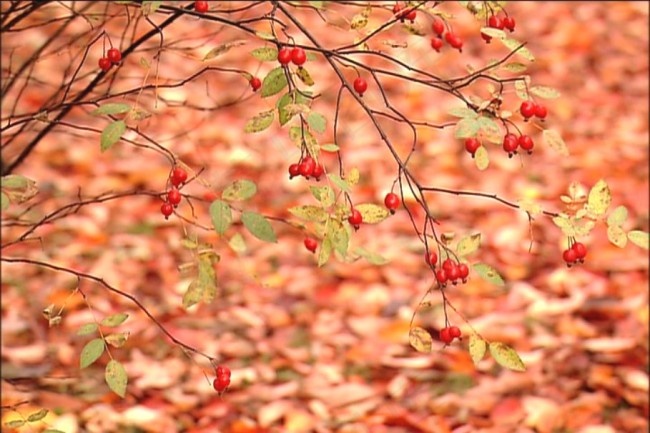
(324, 194)
(325, 250)
(599, 198)
(221, 216)
(495, 33)
(488, 126)
(112, 134)
(274, 82)
(639, 238)
(91, 352)
(115, 319)
(111, 108)
(4, 201)
(309, 213)
(116, 377)
(317, 122)
(372, 213)
(265, 54)
(258, 226)
(237, 243)
(554, 140)
(37, 416)
(339, 236)
(241, 189)
(371, 257)
(336, 180)
(468, 244)
(477, 348)
(521, 87)
(329, 147)
(617, 236)
(420, 339)
(462, 112)
(359, 21)
(15, 423)
(260, 122)
(515, 67)
(221, 49)
(506, 356)
(530, 206)
(488, 273)
(118, 339)
(545, 92)
(466, 128)
(481, 158)
(304, 76)
(353, 176)
(617, 217)
(513, 44)
(87, 328)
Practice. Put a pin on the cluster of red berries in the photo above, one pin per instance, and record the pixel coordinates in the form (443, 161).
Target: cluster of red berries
(391, 201)
(306, 167)
(438, 27)
(449, 271)
(177, 177)
(222, 381)
(113, 57)
(529, 109)
(296, 55)
(511, 142)
(575, 254)
(404, 13)
(201, 6)
(448, 334)
(497, 22)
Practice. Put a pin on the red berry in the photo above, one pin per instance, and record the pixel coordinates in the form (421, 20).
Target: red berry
(360, 86)
(441, 276)
(298, 56)
(294, 170)
(453, 273)
(255, 83)
(454, 332)
(104, 64)
(510, 144)
(463, 271)
(391, 201)
(311, 244)
(355, 219)
(438, 26)
(454, 40)
(472, 145)
(445, 336)
(580, 250)
(306, 167)
(201, 6)
(410, 15)
(178, 176)
(527, 109)
(486, 38)
(318, 171)
(431, 259)
(284, 56)
(570, 256)
(448, 264)
(540, 111)
(222, 371)
(509, 23)
(166, 209)
(221, 383)
(174, 197)
(397, 11)
(114, 55)
(436, 43)
(495, 22)
(526, 143)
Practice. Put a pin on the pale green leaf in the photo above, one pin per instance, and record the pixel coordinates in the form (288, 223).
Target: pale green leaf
(639, 238)
(488, 273)
(617, 217)
(324, 194)
(554, 140)
(477, 348)
(371, 257)
(468, 244)
(462, 112)
(372, 213)
(599, 198)
(221, 49)
(420, 339)
(221, 216)
(466, 128)
(317, 122)
(87, 328)
(4, 201)
(258, 226)
(265, 54)
(116, 377)
(545, 92)
(506, 356)
(309, 213)
(336, 180)
(260, 122)
(91, 352)
(329, 147)
(111, 108)
(617, 236)
(238, 190)
(481, 158)
(115, 319)
(237, 243)
(515, 67)
(339, 236)
(495, 33)
(325, 251)
(488, 126)
(513, 44)
(150, 7)
(274, 82)
(112, 134)
(53, 430)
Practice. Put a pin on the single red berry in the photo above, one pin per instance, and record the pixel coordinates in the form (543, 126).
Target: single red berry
(284, 56)
(410, 15)
(541, 111)
(431, 258)
(453, 273)
(178, 176)
(471, 145)
(448, 264)
(463, 271)
(306, 167)
(298, 56)
(580, 250)
(311, 244)
(454, 40)
(201, 6)
(174, 197)
(355, 219)
(360, 86)
(510, 144)
(441, 276)
(526, 143)
(397, 11)
(570, 256)
(255, 83)
(104, 64)
(438, 26)
(454, 332)
(495, 22)
(221, 383)
(486, 38)
(445, 336)
(294, 170)
(166, 209)
(391, 201)
(222, 371)
(318, 171)
(509, 23)
(114, 55)
(527, 109)
(436, 43)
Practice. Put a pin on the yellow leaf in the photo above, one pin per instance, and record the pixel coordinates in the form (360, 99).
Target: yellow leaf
(420, 339)
(372, 213)
(481, 158)
(617, 236)
(599, 198)
(477, 348)
(554, 140)
(530, 206)
(353, 176)
(506, 356)
(468, 244)
(639, 238)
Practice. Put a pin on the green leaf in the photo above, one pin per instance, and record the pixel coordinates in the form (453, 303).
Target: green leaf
(336, 180)
(513, 44)
(274, 82)
(221, 49)
(468, 244)
(91, 352)
(495, 33)
(115, 319)
(260, 122)
(545, 92)
(617, 217)
(339, 236)
(599, 199)
(617, 236)
(554, 140)
(193, 295)
(420, 339)
(481, 158)
(372, 213)
(112, 134)
(317, 122)
(309, 213)
(506, 356)
(639, 238)
(488, 126)
(204, 287)
(112, 108)
(150, 7)
(237, 243)
(52, 430)
(466, 128)
(521, 87)
(116, 377)
(477, 348)
(37, 416)
(118, 339)
(325, 250)
(87, 328)
(462, 112)
(488, 273)
(4, 201)
(221, 215)
(305, 77)
(371, 257)
(242, 189)
(265, 54)
(258, 226)
(287, 100)
(515, 67)
(16, 181)
(15, 423)
(190, 244)
(329, 147)
(324, 194)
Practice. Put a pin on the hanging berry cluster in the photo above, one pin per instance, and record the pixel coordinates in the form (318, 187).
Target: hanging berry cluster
(222, 381)
(177, 178)
(575, 254)
(438, 27)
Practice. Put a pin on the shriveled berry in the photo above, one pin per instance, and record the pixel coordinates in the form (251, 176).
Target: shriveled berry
(222, 371)
(580, 250)
(436, 43)
(441, 276)
(527, 109)
(526, 143)
(495, 22)
(510, 144)
(294, 170)
(178, 176)
(454, 41)
(454, 332)
(166, 209)
(114, 55)
(360, 86)
(221, 383)
(471, 145)
(438, 26)
(284, 56)
(509, 23)
(391, 201)
(255, 83)
(355, 219)
(174, 196)
(298, 56)
(311, 244)
(306, 167)
(431, 258)
(201, 6)
(569, 256)
(445, 336)
(104, 64)
(463, 271)
(540, 111)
